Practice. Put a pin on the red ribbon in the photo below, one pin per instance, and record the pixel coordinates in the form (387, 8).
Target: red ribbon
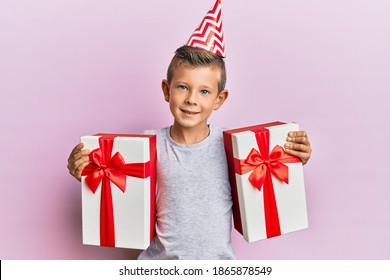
(103, 169)
(263, 164)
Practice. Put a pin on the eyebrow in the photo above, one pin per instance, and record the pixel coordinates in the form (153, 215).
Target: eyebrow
(178, 82)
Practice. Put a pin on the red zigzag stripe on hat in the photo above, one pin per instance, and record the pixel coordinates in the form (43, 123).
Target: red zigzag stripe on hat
(209, 34)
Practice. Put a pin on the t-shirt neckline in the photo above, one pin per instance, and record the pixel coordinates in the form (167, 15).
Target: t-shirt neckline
(189, 146)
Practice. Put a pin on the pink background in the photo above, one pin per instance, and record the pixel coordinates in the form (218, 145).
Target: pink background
(70, 68)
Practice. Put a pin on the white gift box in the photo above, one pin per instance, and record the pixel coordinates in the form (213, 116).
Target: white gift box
(248, 201)
(134, 208)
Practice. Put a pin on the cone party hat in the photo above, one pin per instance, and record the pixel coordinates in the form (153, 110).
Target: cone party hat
(209, 34)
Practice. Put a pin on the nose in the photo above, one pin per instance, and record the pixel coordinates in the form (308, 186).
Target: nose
(191, 98)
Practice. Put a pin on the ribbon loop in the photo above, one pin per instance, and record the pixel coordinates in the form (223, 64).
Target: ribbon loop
(254, 158)
(272, 162)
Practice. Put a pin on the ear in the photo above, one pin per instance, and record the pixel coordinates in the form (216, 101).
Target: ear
(222, 96)
(165, 89)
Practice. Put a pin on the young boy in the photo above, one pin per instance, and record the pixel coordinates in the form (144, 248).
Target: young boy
(193, 198)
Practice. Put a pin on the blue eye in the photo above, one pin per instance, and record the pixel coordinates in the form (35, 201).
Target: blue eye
(203, 91)
(181, 87)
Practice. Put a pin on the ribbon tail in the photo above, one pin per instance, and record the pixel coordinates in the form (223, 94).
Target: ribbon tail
(280, 171)
(118, 178)
(258, 176)
(270, 208)
(107, 230)
(93, 179)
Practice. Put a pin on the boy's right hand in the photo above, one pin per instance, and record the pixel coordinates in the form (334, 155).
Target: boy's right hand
(78, 159)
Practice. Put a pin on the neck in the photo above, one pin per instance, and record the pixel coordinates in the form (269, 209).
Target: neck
(189, 136)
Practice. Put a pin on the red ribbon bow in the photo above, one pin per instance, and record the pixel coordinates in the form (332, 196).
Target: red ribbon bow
(103, 169)
(263, 164)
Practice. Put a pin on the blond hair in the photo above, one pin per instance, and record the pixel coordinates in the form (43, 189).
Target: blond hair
(197, 57)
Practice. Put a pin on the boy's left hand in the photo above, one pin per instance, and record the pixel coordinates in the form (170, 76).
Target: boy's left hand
(298, 145)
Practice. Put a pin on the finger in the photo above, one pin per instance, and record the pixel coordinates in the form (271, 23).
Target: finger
(297, 147)
(77, 148)
(83, 153)
(73, 166)
(80, 169)
(80, 145)
(297, 134)
(78, 155)
(302, 155)
(299, 139)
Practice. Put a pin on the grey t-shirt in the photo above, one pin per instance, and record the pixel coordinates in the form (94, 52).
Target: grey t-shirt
(193, 200)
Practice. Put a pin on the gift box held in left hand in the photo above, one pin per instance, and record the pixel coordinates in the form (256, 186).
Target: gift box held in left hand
(267, 183)
(118, 190)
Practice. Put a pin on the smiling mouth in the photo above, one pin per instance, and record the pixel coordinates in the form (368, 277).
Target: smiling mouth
(189, 112)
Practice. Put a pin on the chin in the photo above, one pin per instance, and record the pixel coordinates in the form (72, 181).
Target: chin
(188, 124)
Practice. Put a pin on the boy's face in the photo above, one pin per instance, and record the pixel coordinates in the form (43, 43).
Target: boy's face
(193, 95)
